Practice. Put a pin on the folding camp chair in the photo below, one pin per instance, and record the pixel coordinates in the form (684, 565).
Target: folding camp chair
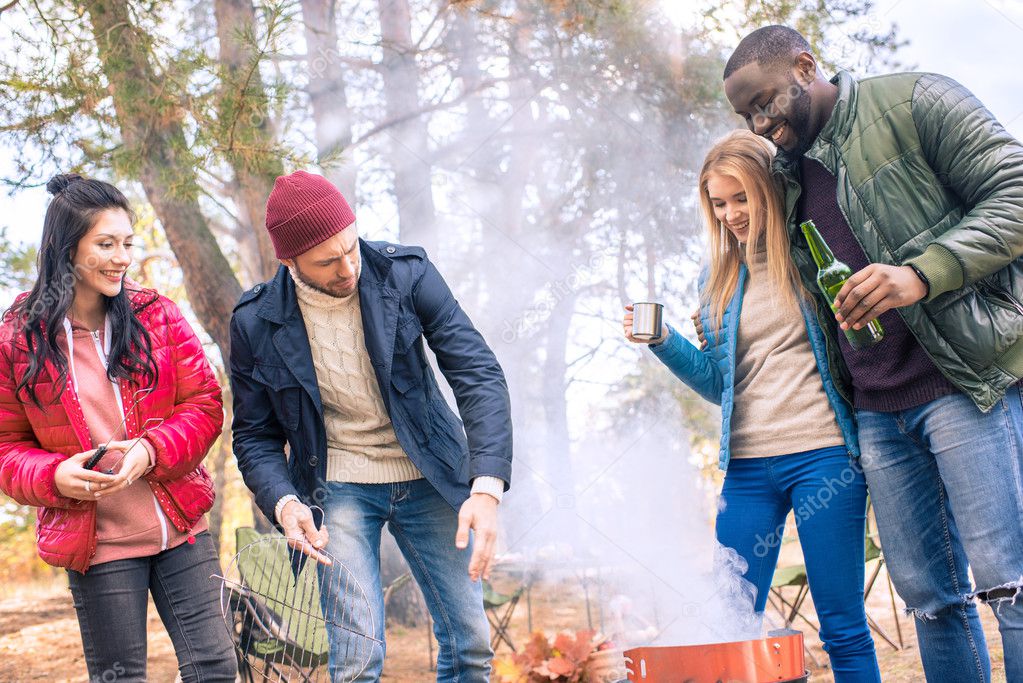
(266, 642)
(499, 608)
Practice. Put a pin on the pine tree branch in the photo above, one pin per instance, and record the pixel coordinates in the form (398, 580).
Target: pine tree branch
(9, 5)
(405, 118)
(354, 62)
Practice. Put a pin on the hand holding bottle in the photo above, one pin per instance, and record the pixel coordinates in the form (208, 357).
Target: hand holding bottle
(832, 277)
(874, 290)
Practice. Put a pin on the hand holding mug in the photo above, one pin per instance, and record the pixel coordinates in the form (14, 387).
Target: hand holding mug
(628, 325)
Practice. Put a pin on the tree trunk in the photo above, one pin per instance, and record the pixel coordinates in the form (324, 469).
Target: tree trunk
(555, 405)
(154, 143)
(331, 115)
(409, 153)
(245, 131)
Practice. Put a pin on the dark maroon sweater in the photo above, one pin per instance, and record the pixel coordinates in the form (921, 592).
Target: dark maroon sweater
(896, 373)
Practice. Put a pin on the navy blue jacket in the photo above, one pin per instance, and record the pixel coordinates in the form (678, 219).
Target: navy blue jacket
(403, 299)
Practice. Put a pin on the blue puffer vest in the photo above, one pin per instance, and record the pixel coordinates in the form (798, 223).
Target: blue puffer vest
(711, 372)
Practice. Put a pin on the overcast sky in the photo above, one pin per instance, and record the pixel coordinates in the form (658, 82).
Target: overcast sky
(977, 42)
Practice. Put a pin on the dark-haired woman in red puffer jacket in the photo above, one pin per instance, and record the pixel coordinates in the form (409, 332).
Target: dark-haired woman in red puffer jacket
(87, 359)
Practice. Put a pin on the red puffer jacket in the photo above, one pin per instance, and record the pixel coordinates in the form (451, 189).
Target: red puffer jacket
(34, 441)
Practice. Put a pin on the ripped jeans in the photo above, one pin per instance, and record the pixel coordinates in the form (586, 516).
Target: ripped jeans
(946, 483)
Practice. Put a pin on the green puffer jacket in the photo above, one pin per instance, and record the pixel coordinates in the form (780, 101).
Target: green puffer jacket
(927, 176)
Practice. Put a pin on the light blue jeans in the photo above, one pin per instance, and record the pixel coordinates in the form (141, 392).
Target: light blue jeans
(946, 482)
(424, 526)
(826, 491)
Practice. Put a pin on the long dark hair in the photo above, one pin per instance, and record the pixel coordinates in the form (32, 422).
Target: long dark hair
(71, 214)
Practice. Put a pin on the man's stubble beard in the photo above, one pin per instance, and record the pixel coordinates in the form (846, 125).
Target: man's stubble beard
(323, 290)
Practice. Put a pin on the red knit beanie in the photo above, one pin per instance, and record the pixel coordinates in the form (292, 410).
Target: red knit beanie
(303, 210)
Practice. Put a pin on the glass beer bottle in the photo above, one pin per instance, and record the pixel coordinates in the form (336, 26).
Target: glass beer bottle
(831, 275)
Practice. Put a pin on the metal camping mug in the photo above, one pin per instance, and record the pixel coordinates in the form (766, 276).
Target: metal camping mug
(646, 320)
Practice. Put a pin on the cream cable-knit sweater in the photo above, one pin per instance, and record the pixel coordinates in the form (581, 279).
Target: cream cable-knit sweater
(361, 444)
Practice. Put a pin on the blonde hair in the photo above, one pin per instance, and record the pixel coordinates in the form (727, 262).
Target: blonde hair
(746, 157)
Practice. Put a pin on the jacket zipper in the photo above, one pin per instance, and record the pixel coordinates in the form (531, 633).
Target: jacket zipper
(831, 377)
(1002, 298)
(177, 507)
(160, 516)
(813, 298)
(827, 353)
(164, 532)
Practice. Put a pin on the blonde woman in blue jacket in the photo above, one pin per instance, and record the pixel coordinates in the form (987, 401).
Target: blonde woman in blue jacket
(788, 439)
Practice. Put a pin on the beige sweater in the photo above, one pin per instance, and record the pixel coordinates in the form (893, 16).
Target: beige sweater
(361, 444)
(780, 404)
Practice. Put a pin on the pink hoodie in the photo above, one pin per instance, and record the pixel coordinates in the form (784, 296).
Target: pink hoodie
(129, 523)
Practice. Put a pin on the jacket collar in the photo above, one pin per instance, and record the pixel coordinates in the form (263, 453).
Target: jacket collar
(379, 304)
(836, 130)
(279, 306)
(280, 302)
(833, 134)
(826, 148)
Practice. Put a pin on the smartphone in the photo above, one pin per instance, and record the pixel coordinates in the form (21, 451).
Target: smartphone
(96, 457)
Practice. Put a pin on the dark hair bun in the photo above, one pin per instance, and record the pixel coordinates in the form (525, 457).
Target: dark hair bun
(59, 183)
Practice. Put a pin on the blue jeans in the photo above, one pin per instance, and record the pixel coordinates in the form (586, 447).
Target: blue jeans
(947, 489)
(827, 492)
(424, 526)
(111, 600)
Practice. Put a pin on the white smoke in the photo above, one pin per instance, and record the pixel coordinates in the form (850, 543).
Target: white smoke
(637, 531)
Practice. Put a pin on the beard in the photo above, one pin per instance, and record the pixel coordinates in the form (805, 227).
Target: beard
(798, 119)
(333, 288)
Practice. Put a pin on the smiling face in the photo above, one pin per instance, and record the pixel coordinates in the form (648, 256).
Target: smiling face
(332, 266)
(731, 207)
(776, 102)
(103, 254)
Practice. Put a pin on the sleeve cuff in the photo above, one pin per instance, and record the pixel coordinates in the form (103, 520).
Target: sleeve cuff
(279, 508)
(667, 344)
(942, 268)
(492, 486)
(661, 342)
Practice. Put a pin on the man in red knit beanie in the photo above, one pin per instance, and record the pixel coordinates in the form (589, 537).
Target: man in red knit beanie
(328, 358)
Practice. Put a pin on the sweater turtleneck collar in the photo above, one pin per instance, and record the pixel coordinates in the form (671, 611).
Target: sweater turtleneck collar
(317, 299)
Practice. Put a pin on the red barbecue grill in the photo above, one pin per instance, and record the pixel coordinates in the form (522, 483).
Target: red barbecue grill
(775, 659)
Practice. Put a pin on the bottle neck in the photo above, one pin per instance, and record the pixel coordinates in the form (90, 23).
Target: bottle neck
(819, 249)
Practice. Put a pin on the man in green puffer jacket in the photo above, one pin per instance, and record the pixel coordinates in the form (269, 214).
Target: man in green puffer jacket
(917, 187)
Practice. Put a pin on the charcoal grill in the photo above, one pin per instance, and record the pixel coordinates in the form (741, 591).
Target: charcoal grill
(777, 658)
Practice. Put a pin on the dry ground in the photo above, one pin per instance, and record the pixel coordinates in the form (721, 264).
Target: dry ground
(39, 638)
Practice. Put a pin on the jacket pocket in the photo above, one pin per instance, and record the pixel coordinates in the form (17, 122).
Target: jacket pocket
(999, 296)
(409, 330)
(284, 390)
(407, 366)
(192, 496)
